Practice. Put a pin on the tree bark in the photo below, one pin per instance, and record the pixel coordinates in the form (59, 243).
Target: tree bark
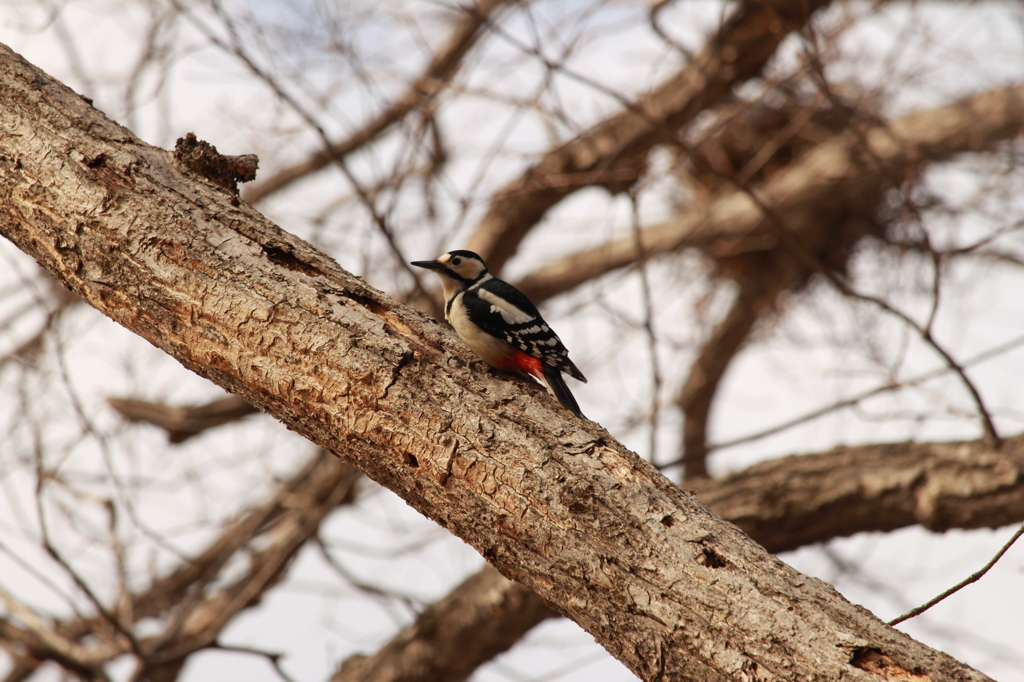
(784, 504)
(795, 501)
(553, 502)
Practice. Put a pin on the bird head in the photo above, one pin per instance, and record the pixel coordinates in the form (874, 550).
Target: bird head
(457, 269)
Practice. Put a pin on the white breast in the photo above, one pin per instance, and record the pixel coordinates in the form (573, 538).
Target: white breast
(488, 347)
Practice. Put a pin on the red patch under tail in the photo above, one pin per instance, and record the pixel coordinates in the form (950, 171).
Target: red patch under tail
(519, 361)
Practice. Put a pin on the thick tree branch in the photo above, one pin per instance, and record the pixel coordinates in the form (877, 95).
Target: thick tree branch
(482, 617)
(804, 499)
(784, 504)
(810, 195)
(554, 502)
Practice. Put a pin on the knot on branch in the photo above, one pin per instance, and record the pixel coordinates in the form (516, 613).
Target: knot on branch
(202, 158)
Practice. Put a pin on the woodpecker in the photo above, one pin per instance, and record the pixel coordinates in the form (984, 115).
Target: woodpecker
(500, 324)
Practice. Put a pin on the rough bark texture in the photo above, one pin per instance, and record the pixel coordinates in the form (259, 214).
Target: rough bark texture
(553, 502)
(783, 504)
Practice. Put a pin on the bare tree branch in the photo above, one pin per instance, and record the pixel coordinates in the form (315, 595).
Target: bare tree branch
(810, 193)
(800, 500)
(183, 422)
(482, 617)
(200, 624)
(611, 153)
(434, 79)
(973, 578)
(784, 504)
(193, 615)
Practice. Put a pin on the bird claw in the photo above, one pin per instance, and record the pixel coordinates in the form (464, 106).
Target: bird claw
(473, 363)
(468, 363)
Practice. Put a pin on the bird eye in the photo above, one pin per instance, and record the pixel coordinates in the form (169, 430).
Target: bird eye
(457, 261)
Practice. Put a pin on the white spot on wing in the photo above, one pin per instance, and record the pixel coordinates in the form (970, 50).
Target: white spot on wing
(508, 312)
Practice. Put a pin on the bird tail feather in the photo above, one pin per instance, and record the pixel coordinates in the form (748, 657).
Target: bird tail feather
(556, 386)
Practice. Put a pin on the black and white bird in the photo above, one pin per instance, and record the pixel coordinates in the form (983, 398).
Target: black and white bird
(500, 324)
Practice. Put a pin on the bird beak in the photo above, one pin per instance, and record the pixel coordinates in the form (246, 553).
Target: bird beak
(428, 264)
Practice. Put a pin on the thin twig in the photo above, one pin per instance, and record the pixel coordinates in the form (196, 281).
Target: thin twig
(974, 577)
(437, 75)
(272, 656)
(860, 397)
(789, 237)
(235, 48)
(652, 337)
(42, 476)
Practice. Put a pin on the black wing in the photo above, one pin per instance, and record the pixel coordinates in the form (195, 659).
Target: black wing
(503, 311)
